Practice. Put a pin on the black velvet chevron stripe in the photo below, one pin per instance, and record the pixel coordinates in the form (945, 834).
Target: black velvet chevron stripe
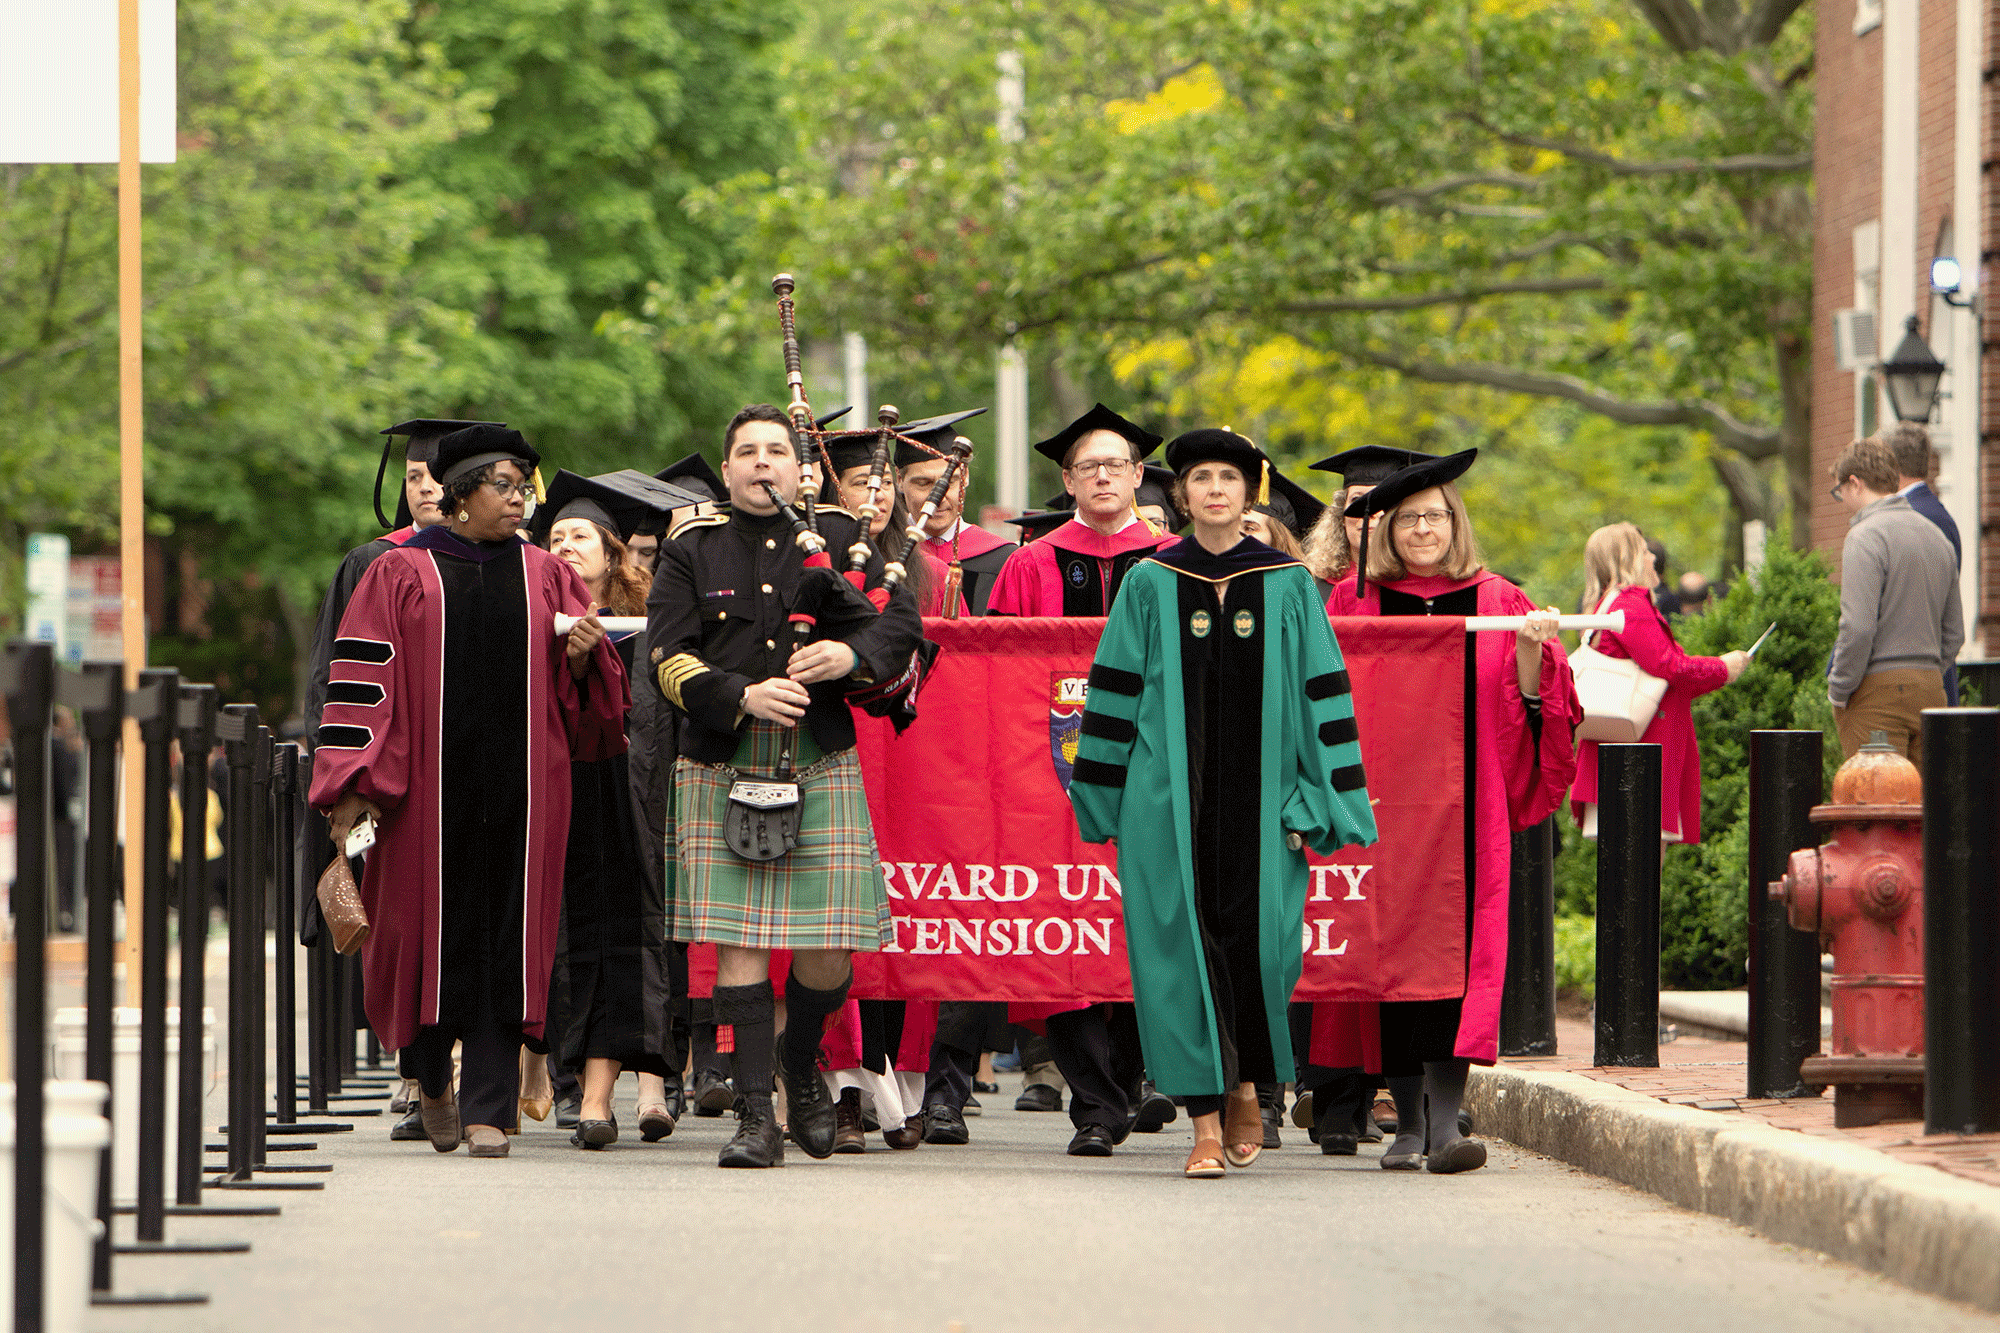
(372, 651)
(360, 692)
(1326, 686)
(1097, 773)
(1339, 731)
(334, 736)
(1351, 778)
(1104, 677)
(1106, 727)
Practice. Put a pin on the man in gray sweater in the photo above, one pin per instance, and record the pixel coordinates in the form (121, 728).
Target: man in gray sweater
(1899, 616)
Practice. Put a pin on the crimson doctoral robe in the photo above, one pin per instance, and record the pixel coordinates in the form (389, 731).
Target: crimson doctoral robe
(450, 707)
(1520, 772)
(1074, 571)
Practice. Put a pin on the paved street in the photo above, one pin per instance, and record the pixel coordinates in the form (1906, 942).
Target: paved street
(1007, 1234)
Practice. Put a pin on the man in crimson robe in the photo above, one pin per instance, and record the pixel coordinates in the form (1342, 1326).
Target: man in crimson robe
(452, 717)
(971, 554)
(1077, 571)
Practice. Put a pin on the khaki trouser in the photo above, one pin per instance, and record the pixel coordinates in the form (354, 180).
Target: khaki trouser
(1891, 702)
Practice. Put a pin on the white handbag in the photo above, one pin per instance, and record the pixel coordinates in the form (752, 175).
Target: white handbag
(1618, 699)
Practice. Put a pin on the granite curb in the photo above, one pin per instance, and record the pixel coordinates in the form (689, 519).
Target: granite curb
(1918, 1226)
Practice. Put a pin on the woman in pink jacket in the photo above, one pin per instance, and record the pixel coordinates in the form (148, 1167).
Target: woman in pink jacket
(1621, 577)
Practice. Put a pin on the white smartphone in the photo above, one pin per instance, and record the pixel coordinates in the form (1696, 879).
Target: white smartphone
(362, 836)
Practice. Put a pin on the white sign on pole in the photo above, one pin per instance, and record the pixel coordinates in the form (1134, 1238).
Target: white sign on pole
(48, 588)
(59, 81)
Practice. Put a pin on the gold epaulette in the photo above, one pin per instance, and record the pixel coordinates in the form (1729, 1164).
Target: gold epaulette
(704, 515)
(838, 509)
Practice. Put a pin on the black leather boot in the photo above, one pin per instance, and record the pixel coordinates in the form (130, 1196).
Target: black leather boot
(758, 1141)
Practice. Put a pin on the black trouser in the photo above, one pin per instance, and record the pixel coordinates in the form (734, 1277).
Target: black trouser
(1097, 1051)
(489, 1070)
(961, 1036)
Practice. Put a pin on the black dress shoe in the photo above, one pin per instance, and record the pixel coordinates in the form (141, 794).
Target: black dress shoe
(1338, 1145)
(677, 1101)
(809, 1113)
(943, 1124)
(1155, 1110)
(990, 1089)
(410, 1129)
(1271, 1116)
(1365, 1128)
(711, 1094)
(594, 1133)
(1039, 1097)
(1091, 1141)
(972, 1106)
(569, 1111)
(758, 1141)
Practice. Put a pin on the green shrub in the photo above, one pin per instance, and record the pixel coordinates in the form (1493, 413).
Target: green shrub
(1576, 955)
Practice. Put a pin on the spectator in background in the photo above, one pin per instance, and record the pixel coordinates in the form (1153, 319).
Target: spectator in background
(1694, 592)
(1665, 599)
(1916, 464)
(1900, 623)
(1618, 577)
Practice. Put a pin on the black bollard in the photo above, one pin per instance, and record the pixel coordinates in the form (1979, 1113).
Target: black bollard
(1961, 921)
(1528, 1000)
(254, 902)
(1787, 779)
(27, 674)
(285, 855)
(152, 705)
(1628, 906)
(238, 728)
(97, 694)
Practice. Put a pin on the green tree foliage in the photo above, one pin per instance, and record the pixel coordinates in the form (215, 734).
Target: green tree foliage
(1599, 202)
(566, 213)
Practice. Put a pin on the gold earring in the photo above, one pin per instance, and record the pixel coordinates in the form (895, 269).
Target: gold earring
(464, 517)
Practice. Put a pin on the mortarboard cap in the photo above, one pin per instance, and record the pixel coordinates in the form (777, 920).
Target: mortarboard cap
(1042, 523)
(694, 473)
(1369, 464)
(476, 446)
(821, 423)
(1156, 487)
(1099, 417)
(1210, 445)
(936, 433)
(1397, 488)
(1292, 504)
(420, 447)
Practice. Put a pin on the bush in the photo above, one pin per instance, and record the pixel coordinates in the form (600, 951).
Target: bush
(1576, 955)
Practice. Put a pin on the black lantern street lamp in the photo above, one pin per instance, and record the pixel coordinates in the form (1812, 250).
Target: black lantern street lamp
(1911, 375)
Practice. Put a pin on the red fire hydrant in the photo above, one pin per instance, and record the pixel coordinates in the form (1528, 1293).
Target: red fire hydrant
(1863, 892)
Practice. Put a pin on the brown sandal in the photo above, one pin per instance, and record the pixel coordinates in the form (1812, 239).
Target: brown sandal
(1205, 1162)
(1242, 1128)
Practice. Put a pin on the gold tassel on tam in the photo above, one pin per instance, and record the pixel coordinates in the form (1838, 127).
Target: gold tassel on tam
(1264, 483)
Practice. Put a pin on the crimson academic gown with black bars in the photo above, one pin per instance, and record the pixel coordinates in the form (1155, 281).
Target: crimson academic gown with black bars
(1074, 571)
(451, 707)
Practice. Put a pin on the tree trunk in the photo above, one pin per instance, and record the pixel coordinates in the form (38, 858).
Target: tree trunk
(300, 625)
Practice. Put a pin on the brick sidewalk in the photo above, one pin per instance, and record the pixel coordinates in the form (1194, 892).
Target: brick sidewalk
(1709, 1076)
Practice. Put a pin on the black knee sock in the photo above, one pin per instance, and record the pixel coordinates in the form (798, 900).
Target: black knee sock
(1444, 1085)
(1408, 1092)
(751, 1012)
(806, 1012)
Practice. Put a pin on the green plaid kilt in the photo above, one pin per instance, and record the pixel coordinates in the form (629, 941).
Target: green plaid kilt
(826, 893)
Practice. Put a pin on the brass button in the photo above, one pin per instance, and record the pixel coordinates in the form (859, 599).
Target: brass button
(770, 643)
(767, 587)
(770, 544)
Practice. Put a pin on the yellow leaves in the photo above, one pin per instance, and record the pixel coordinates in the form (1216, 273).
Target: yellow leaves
(1515, 9)
(1186, 94)
(1545, 160)
(1599, 90)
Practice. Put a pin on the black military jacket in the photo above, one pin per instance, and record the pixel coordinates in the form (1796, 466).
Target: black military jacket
(717, 622)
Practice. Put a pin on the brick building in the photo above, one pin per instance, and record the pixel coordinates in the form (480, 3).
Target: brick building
(1906, 120)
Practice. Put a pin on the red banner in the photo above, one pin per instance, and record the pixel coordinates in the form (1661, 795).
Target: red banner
(995, 897)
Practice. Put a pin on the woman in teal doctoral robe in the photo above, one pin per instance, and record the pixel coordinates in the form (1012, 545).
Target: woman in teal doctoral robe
(1219, 739)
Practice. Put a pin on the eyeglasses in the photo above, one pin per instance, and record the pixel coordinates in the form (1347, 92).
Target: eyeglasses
(1110, 467)
(1838, 487)
(507, 490)
(1437, 518)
